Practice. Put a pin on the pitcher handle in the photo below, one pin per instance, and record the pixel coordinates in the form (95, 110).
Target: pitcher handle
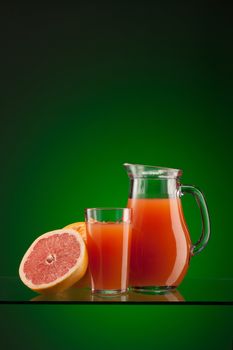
(205, 234)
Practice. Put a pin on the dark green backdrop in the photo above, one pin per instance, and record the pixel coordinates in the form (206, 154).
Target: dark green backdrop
(87, 88)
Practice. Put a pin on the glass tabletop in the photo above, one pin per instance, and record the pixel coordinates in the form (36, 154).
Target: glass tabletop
(191, 291)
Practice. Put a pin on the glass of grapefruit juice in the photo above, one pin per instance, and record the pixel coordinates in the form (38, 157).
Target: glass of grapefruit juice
(108, 244)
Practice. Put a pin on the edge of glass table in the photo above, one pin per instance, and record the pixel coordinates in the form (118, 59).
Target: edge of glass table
(191, 291)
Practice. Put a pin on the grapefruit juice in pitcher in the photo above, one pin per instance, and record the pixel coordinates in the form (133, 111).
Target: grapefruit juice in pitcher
(160, 245)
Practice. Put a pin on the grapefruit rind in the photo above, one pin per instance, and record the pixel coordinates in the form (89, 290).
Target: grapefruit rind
(79, 227)
(67, 280)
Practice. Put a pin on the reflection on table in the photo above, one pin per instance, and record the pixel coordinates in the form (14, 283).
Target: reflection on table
(194, 290)
(85, 295)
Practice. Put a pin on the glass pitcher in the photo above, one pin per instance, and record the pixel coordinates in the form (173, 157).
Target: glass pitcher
(161, 246)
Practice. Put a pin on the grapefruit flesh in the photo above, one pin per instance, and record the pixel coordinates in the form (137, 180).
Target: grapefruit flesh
(55, 261)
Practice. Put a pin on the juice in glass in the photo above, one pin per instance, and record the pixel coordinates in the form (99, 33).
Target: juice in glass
(160, 247)
(108, 245)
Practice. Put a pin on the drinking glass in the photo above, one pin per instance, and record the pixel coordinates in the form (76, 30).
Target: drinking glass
(108, 244)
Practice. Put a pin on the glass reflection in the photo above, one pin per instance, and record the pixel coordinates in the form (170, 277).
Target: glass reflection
(85, 295)
(171, 296)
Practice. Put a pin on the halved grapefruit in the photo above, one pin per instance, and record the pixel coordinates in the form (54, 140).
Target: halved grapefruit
(54, 262)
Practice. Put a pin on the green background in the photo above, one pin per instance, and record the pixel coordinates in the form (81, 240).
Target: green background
(85, 89)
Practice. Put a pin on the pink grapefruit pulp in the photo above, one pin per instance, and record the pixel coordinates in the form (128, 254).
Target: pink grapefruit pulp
(55, 261)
